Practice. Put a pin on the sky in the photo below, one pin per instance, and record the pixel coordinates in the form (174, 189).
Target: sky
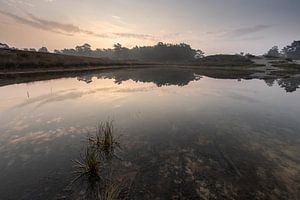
(214, 26)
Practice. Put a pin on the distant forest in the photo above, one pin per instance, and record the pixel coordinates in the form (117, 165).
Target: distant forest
(161, 52)
(158, 52)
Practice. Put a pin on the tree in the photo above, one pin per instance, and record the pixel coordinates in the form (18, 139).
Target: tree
(32, 49)
(84, 50)
(273, 52)
(121, 52)
(56, 51)
(292, 51)
(199, 54)
(117, 47)
(43, 49)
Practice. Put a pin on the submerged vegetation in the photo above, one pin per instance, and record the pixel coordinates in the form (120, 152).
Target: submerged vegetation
(94, 166)
(103, 140)
(88, 166)
(112, 192)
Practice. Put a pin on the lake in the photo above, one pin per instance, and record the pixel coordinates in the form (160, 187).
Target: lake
(182, 135)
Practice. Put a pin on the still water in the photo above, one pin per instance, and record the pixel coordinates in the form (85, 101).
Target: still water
(183, 135)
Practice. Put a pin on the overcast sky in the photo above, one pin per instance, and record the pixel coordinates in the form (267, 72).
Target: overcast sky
(215, 26)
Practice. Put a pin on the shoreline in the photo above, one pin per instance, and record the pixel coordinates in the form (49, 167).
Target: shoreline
(249, 72)
(51, 66)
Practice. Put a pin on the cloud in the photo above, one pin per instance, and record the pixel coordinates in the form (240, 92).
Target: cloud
(13, 3)
(239, 32)
(135, 35)
(53, 26)
(70, 29)
(252, 38)
(75, 94)
(116, 17)
(246, 30)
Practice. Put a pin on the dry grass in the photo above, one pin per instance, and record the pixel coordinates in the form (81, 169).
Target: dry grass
(93, 167)
(112, 192)
(11, 59)
(224, 61)
(88, 166)
(104, 141)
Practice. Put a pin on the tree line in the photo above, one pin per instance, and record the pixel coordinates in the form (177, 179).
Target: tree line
(42, 49)
(159, 52)
(291, 51)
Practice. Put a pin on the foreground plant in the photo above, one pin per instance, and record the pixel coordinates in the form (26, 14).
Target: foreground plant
(112, 192)
(94, 165)
(88, 166)
(104, 140)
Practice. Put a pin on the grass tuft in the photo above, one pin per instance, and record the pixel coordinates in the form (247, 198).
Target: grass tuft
(104, 140)
(94, 165)
(112, 192)
(88, 166)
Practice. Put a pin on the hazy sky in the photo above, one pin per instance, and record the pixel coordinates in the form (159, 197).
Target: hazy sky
(215, 26)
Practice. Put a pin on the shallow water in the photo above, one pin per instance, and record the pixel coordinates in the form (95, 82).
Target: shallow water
(183, 135)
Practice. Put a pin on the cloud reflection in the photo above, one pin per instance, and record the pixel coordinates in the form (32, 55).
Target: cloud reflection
(64, 96)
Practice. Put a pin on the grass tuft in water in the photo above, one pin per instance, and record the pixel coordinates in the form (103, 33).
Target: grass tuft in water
(112, 192)
(94, 165)
(88, 166)
(104, 140)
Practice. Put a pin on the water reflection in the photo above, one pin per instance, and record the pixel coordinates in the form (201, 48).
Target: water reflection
(289, 84)
(164, 76)
(160, 77)
(182, 77)
(184, 136)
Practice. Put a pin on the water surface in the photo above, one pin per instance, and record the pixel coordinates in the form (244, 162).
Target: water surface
(183, 135)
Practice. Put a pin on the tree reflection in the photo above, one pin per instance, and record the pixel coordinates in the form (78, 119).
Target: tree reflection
(289, 84)
(181, 77)
(158, 76)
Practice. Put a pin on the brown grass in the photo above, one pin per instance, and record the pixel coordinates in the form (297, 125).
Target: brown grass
(104, 140)
(88, 166)
(17, 59)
